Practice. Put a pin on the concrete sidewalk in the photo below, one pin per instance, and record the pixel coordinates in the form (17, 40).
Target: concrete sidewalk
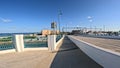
(70, 56)
(29, 59)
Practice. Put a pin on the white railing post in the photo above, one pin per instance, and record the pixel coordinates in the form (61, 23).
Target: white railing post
(19, 43)
(51, 42)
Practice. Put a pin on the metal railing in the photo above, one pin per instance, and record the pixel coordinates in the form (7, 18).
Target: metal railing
(58, 37)
(35, 41)
(6, 43)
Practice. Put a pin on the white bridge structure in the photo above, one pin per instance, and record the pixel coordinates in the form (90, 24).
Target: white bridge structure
(104, 57)
(19, 45)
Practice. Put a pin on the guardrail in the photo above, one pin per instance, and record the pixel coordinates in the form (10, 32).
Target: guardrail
(20, 43)
(6, 46)
(6, 43)
(60, 41)
(58, 37)
(35, 41)
(105, 57)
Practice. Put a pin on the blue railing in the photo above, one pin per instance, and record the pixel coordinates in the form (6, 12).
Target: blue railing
(35, 41)
(6, 43)
(58, 37)
(35, 44)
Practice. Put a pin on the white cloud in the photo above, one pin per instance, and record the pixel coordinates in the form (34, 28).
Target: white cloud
(4, 20)
(89, 17)
(90, 20)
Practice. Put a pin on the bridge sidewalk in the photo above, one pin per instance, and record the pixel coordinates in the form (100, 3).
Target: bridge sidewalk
(70, 56)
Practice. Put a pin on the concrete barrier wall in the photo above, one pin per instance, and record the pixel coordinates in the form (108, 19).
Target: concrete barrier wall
(18, 43)
(52, 44)
(104, 57)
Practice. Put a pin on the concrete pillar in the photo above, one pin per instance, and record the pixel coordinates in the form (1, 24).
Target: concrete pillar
(51, 42)
(19, 43)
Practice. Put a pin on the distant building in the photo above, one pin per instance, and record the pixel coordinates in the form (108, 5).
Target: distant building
(33, 34)
(56, 32)
(48, 32)
(76, 31)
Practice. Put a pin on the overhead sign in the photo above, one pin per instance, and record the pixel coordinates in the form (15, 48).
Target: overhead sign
(53, 25)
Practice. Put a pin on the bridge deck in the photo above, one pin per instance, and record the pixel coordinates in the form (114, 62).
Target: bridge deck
(68, 56)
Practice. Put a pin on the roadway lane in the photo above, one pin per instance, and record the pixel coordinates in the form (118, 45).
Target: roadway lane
(111, 44)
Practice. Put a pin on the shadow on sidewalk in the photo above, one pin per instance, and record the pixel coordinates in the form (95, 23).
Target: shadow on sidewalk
(70, 56)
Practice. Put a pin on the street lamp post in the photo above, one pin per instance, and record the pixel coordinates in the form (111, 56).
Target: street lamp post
(59, 14)
(59, 22)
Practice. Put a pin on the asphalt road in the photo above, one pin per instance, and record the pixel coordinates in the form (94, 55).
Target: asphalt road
(112, 44)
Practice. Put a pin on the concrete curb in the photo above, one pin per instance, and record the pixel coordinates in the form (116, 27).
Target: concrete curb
(7, 51)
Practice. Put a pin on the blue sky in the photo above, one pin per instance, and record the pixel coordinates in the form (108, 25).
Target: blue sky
(35, 15)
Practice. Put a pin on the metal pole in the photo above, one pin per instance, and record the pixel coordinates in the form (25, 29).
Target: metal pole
(66, 27)
(59, 21)
(59, 14)
(103, 27)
